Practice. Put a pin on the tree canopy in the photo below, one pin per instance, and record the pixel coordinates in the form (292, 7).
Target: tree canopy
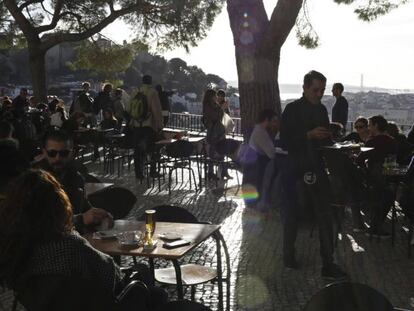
(47, 23)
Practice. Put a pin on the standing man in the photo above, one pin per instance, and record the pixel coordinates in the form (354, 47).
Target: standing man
(340, 108)
(146, 121)
(305, 128)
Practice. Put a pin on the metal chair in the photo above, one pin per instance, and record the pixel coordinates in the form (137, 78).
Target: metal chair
(116, 200)
(347, 296)
(347, 185)
(179, 154)
(192, 273)
(58, 292)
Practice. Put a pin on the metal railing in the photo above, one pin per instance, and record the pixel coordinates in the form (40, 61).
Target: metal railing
(194, 123)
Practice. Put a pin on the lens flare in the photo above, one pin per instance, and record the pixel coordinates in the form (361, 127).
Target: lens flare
(249, 193)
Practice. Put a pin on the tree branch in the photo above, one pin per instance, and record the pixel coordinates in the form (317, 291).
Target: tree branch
(281, 23)
(248, 22)
(26, 27)
(55, 19)
(54, 39)
(28, 3)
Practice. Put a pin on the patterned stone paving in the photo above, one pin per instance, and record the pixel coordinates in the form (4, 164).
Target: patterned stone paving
(258, 279)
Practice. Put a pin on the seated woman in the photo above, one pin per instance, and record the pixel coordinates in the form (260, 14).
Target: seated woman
(361, 133)
(37, 239)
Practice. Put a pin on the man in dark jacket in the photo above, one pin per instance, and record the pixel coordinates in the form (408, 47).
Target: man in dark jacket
(58, 160)
(340, 108)
(305, 128)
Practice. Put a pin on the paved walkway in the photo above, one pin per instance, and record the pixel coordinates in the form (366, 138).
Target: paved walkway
(259, 281)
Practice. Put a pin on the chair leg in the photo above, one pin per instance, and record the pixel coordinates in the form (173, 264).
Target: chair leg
(410, 237)
(193, 288)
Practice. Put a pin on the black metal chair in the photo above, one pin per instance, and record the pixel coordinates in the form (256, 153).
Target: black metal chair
(347, 296)
(348, 185)
(116, 200)
(58, 292)
(192, 273)
(89, 178)
(179, 155)
(183, 305)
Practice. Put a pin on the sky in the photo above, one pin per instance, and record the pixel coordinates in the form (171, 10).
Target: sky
(382, 51)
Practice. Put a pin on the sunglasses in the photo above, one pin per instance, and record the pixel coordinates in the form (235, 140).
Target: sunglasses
(62, 153)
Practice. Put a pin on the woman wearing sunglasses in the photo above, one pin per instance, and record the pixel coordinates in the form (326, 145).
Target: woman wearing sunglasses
(361, 133)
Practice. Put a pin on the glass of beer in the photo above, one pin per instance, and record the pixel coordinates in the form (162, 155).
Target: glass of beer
(149, 225)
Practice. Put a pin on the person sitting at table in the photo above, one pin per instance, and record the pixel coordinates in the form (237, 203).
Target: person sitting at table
(361, 133)
(37, 239)
(404, 148)
(58, 160)
(383, 146)
(259, 153)
(109, 121)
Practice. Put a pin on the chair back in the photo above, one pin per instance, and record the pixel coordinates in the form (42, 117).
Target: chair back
(183, 305)
(116, 200)
(57, 292)
(180, 149)
(170, 213)
(227, 147)
(89, 178)
(346, 179)
(347, 296)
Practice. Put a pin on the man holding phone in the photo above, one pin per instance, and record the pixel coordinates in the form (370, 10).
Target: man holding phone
(304, 129)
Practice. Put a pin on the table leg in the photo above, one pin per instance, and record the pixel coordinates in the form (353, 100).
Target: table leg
(180, 294)
(152, 269)
(219, 273)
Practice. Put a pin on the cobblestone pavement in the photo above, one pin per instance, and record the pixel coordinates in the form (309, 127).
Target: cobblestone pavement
(258, 279)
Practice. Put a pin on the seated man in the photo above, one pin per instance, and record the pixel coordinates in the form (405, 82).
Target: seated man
(57, 159)
(257, 155)
(383, 146)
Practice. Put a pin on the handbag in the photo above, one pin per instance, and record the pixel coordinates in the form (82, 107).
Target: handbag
(228, 123)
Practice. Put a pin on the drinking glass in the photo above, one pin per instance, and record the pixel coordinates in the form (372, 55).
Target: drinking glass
(149, 225)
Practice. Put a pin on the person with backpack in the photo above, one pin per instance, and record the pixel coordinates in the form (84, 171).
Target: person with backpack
(146, 121)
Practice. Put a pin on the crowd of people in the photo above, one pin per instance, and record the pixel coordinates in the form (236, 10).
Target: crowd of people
(44, 209)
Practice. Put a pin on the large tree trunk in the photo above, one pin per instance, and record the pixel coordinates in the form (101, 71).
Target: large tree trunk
(37, 61)
(258, 42)
(258, 87)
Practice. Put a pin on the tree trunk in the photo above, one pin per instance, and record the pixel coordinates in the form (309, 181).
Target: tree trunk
(258, 42)
(37, 61)
(258, 87)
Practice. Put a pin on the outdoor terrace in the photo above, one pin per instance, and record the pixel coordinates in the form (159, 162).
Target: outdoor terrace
(258, 279)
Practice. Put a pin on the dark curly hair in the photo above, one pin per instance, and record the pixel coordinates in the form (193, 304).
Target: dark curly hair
(36, 210)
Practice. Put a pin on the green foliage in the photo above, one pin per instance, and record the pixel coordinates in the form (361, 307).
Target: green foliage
(376, 8)
(103, 59)
(306, 35)
(368, 10)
